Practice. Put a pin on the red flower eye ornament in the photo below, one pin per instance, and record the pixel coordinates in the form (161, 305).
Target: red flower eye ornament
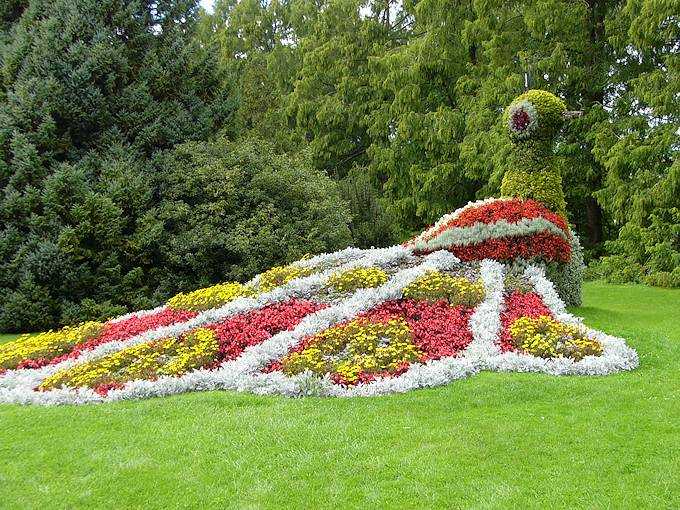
(522, 119)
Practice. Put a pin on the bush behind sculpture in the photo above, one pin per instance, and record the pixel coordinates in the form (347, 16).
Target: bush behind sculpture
(202, 213)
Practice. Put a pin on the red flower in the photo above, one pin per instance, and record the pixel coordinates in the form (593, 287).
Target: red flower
(128, 328)
(547, 246)
(438, 330)
(520, 120)
(252, 328)
(33, 363)
(103, 389)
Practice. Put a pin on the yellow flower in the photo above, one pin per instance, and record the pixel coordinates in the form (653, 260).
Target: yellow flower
(220, 294)
(167, 356)
(280, 275)
(547, 338)
(434, 285)
(210, 297)
(357, 347)
(357, 278)
(49, 344)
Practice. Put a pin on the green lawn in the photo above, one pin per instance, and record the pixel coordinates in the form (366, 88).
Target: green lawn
(491, 441)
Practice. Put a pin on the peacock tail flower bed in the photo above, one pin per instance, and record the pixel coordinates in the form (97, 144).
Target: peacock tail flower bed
(32, 351)
(169, 356)
(382, 342)
(205, 347)
(70, 342)
(350, 323)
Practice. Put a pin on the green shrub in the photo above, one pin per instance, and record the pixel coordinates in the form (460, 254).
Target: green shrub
(230, 210)
(372, 224)
(202, 213)
(664, 279)
(643, 254)
(616, 269)
(543, 185)
(533, 120)
(568, 278)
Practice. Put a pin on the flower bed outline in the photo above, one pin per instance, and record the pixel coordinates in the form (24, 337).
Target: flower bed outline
(244, 373)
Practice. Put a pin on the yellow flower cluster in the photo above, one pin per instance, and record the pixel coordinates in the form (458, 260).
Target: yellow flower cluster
(356, 347)
(168, 356)
(433, 286)
(220, 294)
(547, 338)
(210, 297)
(357, 278)
(281, 275)
(46, 345)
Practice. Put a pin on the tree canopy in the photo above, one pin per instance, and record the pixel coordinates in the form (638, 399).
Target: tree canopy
(115, 114)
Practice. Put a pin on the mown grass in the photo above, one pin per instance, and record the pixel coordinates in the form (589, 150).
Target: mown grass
(491, 441)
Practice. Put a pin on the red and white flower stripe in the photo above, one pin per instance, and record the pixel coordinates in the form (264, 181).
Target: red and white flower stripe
(500, 229)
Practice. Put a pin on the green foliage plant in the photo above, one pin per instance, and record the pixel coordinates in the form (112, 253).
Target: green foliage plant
(533, 120)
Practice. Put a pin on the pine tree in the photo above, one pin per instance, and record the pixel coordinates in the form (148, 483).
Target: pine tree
(640, 146)
(91, 90)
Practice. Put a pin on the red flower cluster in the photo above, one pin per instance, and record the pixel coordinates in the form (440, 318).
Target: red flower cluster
(438, 330)
(128, 328)
(519, 305)
(550, 247)
(252, 328)
(30, 363)
(103, 389)
(511, 210)
(520, 120)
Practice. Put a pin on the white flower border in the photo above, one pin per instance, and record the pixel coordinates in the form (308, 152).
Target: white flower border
(243, 373)
(334, 259)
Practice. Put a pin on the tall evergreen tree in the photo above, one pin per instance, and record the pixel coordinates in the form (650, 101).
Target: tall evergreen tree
(418, 127)
(334, 99)
(258, 49)
(640, 146)
(92, 89)
(464, 65)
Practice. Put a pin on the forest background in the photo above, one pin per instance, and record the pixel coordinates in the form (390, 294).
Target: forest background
(151, 147)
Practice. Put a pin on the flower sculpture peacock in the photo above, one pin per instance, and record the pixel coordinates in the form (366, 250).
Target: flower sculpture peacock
(476, 291)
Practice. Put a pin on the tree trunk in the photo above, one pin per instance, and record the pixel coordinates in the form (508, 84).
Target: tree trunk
(594, 221)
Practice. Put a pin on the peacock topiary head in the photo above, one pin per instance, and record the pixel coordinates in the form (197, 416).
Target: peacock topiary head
(535, 115)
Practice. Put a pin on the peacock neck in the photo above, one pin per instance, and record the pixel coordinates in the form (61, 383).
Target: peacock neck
(532, 156)
(532, 173)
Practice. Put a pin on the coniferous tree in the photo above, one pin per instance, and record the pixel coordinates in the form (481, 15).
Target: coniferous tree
(91, 90)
